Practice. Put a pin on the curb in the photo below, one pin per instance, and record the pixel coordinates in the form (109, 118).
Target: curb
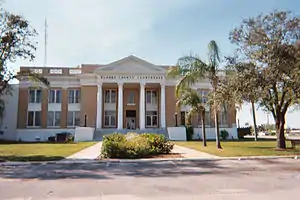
(146, 160)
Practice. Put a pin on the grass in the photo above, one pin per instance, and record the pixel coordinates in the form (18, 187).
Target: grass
(241, 148)
(39, 151)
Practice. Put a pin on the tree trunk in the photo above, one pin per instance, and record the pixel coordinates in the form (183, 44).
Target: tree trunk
(254, 121)
(218, 144)
(280, 122)
(203, 127)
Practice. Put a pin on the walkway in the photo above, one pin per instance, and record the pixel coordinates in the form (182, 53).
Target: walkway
(191, 153)
(89, 153)
(93, 152)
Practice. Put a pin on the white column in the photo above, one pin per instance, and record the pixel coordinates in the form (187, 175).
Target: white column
(120, 105)
(162, 106)
(142, 106)
(99, 107)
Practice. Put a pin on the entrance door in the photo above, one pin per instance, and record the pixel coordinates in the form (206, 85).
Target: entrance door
(130, 119)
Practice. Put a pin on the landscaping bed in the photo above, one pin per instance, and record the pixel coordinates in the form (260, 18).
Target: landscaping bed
(134, 146)
(17, 151)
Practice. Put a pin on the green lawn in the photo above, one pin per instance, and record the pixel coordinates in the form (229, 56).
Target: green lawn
(241, 148)
(39, 151)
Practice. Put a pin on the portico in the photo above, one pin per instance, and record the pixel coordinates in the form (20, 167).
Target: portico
(131, 105)
(131, 95)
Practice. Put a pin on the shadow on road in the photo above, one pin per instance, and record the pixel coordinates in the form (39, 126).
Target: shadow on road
(108, 170)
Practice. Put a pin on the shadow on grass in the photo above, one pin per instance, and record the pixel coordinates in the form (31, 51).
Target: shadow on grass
(30, 158)
(110, 170)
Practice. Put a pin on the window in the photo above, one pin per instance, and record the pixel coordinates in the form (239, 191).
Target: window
(110, 118)
(54, 96)
(151, 119)
(204, 95)
(73, 118)
(74, 96)
(131, 97)
(53, 118)
(35, 96)
(151, 97)
(223, 117)
(110, 96)
(34, 118)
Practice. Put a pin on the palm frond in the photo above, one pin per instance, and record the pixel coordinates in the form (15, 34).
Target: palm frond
(213, 54)
(173, 72)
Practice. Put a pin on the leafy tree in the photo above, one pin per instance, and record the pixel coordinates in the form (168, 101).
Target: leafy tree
(16, 42)
(190, 97)
(267, 70)
(193, 69)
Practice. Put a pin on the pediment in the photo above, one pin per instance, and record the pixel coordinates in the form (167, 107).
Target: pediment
(130, 64)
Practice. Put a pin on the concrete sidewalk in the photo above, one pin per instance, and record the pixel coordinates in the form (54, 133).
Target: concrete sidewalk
(191, 153)
(89, 153)
(93, 152)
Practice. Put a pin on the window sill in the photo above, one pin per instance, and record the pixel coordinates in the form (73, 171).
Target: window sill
(110, 126)
(130, 104)
(151, 127)
(55, 127)
(33, 127)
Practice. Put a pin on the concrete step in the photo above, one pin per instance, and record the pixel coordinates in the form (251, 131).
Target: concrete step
(99, 133)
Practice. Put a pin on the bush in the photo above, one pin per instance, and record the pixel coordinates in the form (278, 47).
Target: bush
(159, 144)
(189, 133)
(52, 139)
(224, 134)
(134, 145)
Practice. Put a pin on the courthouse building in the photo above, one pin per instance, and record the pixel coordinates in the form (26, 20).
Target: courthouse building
(129, 93)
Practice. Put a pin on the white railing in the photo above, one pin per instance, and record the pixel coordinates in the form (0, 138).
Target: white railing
(74, 71)
(55, 71)
(37, 71)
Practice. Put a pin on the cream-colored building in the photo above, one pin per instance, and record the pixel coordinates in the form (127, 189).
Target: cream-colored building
(130, 93)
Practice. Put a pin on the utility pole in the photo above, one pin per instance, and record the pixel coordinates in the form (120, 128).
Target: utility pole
(46, 37)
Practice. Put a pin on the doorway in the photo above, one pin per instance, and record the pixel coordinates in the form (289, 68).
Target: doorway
(130, 119)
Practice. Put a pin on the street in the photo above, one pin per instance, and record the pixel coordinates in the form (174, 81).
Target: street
(220, 179)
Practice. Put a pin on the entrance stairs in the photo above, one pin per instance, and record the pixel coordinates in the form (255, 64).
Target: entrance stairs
(99, 133)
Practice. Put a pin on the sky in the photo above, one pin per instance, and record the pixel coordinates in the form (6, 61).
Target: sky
(159, 31)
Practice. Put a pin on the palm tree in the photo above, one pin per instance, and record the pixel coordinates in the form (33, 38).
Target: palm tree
(190, 97)
(193, 69)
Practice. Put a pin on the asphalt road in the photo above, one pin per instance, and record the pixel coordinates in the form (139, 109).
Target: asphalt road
(223, 179)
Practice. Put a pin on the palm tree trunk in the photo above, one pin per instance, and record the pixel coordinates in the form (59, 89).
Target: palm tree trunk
(217, 129)
(203, 127)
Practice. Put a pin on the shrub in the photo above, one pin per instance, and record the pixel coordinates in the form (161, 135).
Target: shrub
(134, 145)
(159, 144)
(52, 139)
(113, 145)
(69, 138)
(224, 134)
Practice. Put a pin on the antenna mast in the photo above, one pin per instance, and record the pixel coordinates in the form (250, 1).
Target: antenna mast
(46, 37)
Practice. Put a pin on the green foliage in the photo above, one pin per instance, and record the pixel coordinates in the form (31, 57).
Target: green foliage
(134, 145)
(70, 138)
(266, 68)
(16, 42)
(224, 134)
(191, 69)
(158, 143)
(189, 133)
